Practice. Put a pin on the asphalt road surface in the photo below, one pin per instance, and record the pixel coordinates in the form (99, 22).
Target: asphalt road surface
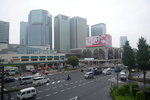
(78, 87)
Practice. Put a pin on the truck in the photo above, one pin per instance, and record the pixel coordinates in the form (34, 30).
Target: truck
(30, 68)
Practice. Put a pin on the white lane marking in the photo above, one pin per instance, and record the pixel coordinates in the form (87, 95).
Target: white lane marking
(46, 89)
(40, 91)
(60, 86)
(71, 83)
(53, 82)
(55, 92)
(54, 87)
(74, 98)
(39, 98)
(68, 88)
(88, 82)
(63, 80)
(62, 90)
(79, 85)
(66, 84)
(74, 86)
(48, 95)
(84, 83)
(58, 81)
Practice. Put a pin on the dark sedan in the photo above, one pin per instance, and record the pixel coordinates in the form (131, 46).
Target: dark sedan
(9, 80)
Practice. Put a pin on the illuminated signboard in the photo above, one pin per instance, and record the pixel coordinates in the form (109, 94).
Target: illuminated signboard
(98, 41)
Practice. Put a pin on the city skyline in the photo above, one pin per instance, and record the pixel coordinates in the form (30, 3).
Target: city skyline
(123, 18)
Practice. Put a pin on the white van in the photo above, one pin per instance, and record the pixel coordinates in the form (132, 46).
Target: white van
(40, 80)
(26, 93)
(26, 80)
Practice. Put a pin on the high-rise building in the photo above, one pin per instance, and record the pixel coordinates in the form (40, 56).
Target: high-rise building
(78, 32)
(61, 33)
(4, 32)
(123, 40)
(39, 28)
(23, 33)
(98, 29)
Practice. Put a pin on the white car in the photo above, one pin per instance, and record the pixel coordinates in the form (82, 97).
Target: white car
(107, 71)
(123, 76)
(4, 89)
(89, 75)
(26, 93)
(40, 80)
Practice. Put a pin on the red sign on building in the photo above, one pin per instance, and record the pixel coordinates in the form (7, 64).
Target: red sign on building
(98, 41)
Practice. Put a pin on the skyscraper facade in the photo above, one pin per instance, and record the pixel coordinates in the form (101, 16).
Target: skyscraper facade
(123, 40)
(23, 33)
(4, 32)
(61, 33)
(78, 32)
(39, 28)
(98, 29)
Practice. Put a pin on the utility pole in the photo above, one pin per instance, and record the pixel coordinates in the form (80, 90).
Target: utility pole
(117, 70)
(2, 83)
(117, 79)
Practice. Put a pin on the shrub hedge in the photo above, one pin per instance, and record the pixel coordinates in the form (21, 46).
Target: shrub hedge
(140, 95)
(133, 86)
(124, 98)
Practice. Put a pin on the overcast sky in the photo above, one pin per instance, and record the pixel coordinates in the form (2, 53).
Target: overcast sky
(129, 18)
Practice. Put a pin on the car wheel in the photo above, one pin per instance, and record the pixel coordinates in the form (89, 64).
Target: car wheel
(38, 84)
(34, 96)
(47, 81)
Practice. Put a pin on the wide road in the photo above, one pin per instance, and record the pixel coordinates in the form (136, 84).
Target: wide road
(84, 89)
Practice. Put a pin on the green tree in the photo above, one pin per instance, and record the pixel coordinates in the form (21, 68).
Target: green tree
(143, 56)
(128, 56)
(73, 60)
